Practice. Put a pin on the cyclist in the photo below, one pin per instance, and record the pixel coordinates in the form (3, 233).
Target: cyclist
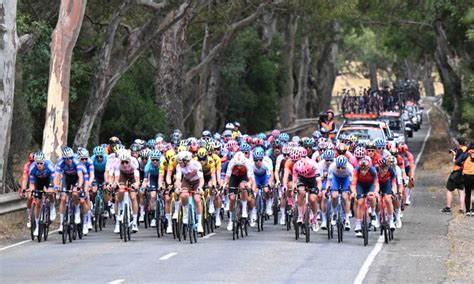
(263, 172)
(343, 150)
(387, 181)
(189, 180)
(150, 179)
(340, 176)
(99, 159)
(409, 162)
(126, 177)
(396, 200)
(239, 174)
(41, 177)
(209, 172)
(83, 155)
(365, 182)
(295, 156)
(307, 175)
(25, 186)
(71, 171)
(168, 168)
(323, 166)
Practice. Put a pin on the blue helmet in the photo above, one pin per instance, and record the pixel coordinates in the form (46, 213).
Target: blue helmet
(67, 152)
(258, 153)
(99, 151)
(245, 147)
(341, 161)
(328, 155)
(379, 142)
(284, 137)
(155, 155)
(262, 136)
(151, 143)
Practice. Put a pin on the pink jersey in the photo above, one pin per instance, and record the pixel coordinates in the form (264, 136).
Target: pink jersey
(312, 170)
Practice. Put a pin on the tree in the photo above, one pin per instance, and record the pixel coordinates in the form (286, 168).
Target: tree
(71, 13)
(8, 51)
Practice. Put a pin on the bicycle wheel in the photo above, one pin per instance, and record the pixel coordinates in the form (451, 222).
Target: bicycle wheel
(306, 223)
(288, 217)
(69, 232)
(101, 221)
(328, 221)
(191, 223)
(46, 225)
(275, 208)
(365, 228)
(64, 234)
(157, 217)
(179, 225)
(295, 223)
(235, 234)
(32, 221)
(96, 214)
(246, 225)
(125, 222)
(339, 227)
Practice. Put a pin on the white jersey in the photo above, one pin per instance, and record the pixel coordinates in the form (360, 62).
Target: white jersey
(347, 172)
(192, 171)
(247, 169)
(130, 168)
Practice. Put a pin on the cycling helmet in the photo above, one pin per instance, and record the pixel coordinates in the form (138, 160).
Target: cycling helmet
(201, 142)
(316, 135)
(227, 133)
(371, 145)
(135, 147)
(99, 151)
(275, 133)
(239, 159)
(114, 140)
(296, 139)
(170, 154)
(39, 157)
(184, 156)
(276, 142)
(145, 153)
(258, 153)
(341, 161)
(342, 137)
(304, 152)
(210, 146)
(123, 155)
(262, 136)
(284, 137)
(258, 141)
(236, 124)
(341, 149)
(328, 155)
(193, 147)
(151, 143)
(394, 151)
(383, 163)
(155, 155)
(182, 149)
(360, 152)
(202, 153)
(230, 155)
(117, 148)
(295, 154)
(323, 130)
(82, 153)
(229, 126)
(159, 139)
(217, 145)
(392, 160)
(217, 136)
(140, 142)
(67, 152)
(402, 147)
(379, 142)
(206, 134)
(285, 149)
(31, 157)
(245, 147)
(353, 139)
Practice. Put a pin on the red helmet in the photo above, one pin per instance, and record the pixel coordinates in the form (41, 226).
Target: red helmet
(30, 157)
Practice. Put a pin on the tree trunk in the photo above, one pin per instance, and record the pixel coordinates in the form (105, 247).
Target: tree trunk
(124, 56)
(327, 70)
(169, 76)
(268, 28)
(301, 96)
(428, 78)
(449, 78)
(8, 51)
(71, 13)
(374, 84)
(287, 108)
(210, 117)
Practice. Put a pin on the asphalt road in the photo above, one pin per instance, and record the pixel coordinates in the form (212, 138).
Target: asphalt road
(272, 256)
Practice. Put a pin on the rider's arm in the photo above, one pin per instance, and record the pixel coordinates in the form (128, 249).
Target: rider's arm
(286, 174)
(177, 183)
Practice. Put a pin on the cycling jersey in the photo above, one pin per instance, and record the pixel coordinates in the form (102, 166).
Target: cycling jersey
(217, 161)
(312, 170)
(127, 169)
(340, 178)
(245, 169)
(70, 170)
(99, 167)
(280, 163)
(209, 167)
(152, 173)
(46, 174)
(191, 172)
(89, 165)
(263, 173)
(385, 180)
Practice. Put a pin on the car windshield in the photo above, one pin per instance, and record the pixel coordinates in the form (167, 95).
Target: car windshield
(363, 133)
(395, 124)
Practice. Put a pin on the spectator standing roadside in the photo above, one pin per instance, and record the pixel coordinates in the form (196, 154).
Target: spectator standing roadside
(466, 160)
(455, 179)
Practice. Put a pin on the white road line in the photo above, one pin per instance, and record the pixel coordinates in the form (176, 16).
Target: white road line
(22, 242)
(368, 261)
(208, 236)
(378, 246)
(117, 281)
(168, 256)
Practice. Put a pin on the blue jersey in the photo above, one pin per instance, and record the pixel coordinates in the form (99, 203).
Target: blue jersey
(70, 170)
(99, 166)
(47, 172)
(151, 170)
(89, 166)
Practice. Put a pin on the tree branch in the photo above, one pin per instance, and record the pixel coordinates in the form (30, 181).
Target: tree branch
(224, 42)
(152, 4)
(399, 22)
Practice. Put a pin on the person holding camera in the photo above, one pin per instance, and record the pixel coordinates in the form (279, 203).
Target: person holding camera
(326, 121)
(455, 179)
(466, 161)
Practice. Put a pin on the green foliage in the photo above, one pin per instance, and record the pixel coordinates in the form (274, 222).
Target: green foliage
(252, 79)
(131, 112)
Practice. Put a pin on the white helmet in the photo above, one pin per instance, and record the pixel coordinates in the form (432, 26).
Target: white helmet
(239, 158)
(184, 156)
(229, 126)
(123, 155)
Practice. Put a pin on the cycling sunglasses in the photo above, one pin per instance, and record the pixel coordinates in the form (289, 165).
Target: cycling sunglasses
(329, 161)
(257, 160)
(40, 164)
(100, 157)
(371, 150)
(154, 160)
(341, 168)
(83, 159)
(124, 162)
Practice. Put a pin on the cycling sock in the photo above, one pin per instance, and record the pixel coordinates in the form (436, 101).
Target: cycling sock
(254, 211)
(37, 221)
(61, 218)
(230, 216)
(244, 205)
(199, 218)
(323, 216)
(28, 212)
(397, 214)
(282, 211)
(135, 216)
(168, 218)
(78, 207)
(176, 206)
